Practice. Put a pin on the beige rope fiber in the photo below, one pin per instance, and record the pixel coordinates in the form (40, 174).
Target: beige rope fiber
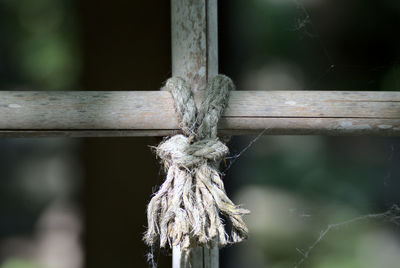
(186, 210)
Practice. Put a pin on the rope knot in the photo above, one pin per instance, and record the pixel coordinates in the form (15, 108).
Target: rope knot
(178, 150)
(186, 209)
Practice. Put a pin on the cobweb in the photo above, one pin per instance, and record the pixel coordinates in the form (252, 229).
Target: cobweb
(305, 25)
(391, 216)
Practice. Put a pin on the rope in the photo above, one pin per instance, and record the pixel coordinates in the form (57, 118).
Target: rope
(187, 209)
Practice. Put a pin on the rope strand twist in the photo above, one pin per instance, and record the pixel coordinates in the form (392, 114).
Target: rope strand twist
(187, 209)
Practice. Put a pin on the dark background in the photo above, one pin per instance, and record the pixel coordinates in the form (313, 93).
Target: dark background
(81, 202)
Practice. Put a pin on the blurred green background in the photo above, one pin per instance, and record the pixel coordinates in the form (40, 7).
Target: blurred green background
(74, 202)
(297, 186)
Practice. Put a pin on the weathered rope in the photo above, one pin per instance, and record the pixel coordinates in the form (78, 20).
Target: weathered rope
(187, 208)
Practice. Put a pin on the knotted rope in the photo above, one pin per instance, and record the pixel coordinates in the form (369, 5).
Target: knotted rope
(186, 209)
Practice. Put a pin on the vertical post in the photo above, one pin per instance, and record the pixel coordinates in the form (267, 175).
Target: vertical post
(194, 42)
(195, 58)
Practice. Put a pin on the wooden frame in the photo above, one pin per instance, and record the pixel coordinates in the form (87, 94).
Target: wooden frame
(151, 113)
(195, 58)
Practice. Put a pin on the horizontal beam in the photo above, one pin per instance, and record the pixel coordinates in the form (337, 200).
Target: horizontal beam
(151, 113)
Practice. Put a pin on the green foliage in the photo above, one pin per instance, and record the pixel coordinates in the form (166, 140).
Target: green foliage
(41, 49)
(18, 263)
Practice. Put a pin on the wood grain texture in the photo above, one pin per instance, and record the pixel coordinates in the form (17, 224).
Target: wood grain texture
(194, 42)
(151, 113)
(189, 41)
(194, 34)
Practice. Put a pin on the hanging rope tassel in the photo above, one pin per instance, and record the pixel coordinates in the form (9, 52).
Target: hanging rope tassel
(187, 209)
